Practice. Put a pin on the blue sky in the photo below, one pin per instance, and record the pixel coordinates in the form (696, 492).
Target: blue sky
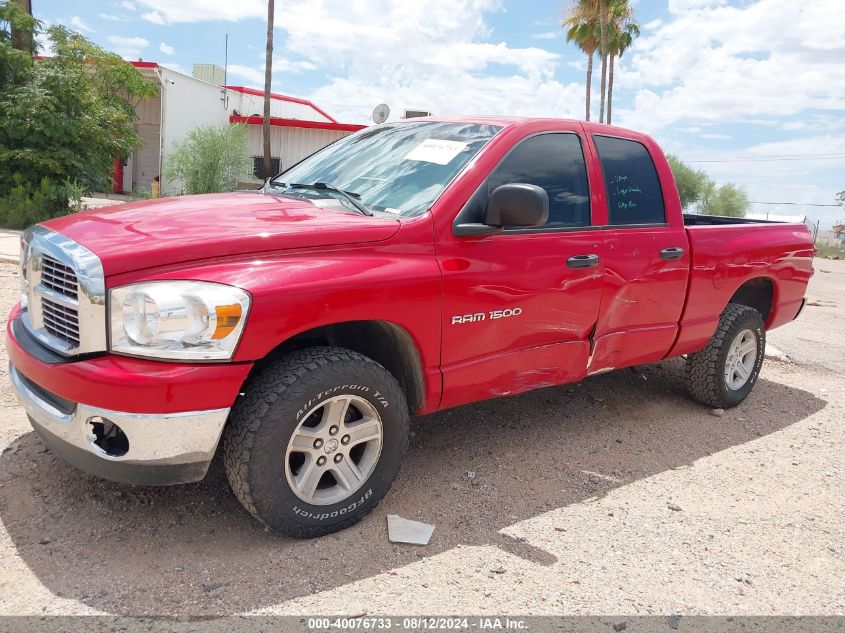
(753, 89)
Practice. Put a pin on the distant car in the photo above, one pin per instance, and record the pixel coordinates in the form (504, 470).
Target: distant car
(405, 269)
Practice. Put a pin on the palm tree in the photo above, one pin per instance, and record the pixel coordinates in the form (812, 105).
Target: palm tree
(582, 28)
(603, 20)
(268, 80)
(606, 27)
(622, 30)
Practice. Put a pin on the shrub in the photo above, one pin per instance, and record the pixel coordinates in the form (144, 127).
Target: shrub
(210, 159)
(27, 203)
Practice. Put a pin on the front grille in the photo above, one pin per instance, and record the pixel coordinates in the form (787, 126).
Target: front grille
(64, 302)
(59, 277)
(60, 321)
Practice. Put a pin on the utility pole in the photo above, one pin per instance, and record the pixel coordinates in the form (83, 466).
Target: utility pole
(268, 80)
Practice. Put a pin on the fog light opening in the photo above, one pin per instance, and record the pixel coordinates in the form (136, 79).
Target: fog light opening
(108, 436)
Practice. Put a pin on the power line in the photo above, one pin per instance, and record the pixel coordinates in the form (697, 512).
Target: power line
(767, 159)
(798, 204)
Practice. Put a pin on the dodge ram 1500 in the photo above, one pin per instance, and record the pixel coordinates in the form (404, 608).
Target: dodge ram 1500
(405, 269)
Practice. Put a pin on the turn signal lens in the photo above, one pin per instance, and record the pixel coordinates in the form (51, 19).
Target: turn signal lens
(227, 320)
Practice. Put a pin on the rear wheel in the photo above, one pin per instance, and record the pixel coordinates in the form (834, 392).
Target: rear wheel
(723, 373)
(316, 441)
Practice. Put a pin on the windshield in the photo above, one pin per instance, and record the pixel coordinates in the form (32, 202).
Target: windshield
(396, 168)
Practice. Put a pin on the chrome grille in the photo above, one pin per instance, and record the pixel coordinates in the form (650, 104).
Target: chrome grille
(64, 297)
(60, 321)
(59, 277)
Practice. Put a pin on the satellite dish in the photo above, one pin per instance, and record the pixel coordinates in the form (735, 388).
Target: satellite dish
(381, 112)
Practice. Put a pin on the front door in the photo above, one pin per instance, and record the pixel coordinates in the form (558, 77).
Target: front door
(519, 306)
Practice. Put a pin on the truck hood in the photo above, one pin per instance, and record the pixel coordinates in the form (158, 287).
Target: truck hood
(172, 230)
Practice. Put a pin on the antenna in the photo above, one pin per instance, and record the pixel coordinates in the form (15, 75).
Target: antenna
(226, 72)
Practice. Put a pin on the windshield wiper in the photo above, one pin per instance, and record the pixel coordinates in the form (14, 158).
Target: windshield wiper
(324, 186)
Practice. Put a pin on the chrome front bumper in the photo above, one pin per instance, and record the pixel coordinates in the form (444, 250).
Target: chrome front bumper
(163, 448)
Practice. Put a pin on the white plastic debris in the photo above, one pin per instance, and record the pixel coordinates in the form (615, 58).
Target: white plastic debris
(401, 530)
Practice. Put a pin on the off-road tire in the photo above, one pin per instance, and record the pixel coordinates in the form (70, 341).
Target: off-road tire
(705, 370)
(264, 418)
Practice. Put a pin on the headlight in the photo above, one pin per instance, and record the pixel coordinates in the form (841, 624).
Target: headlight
(186, 320)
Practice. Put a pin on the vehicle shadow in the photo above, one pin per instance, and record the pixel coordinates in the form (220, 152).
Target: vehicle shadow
(192, 550)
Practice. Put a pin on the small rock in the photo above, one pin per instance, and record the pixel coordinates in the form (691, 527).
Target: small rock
(560, 529)
(673, 621)
(498, 568)
(747, 581)
(12, 448)
(208, 587)
(620, 626)
(487, 594)
(44, 541)
(717, 412)
(471, 474)
(674, 507)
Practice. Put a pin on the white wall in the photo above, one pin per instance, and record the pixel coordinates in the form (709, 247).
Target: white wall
(145, 164)
(291, 144)
(188, 103)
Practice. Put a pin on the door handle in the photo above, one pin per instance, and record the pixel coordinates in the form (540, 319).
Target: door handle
(676, 252)
(582, 261)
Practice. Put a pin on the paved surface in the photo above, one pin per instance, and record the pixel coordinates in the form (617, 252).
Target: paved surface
(616, 496)
(10, 246)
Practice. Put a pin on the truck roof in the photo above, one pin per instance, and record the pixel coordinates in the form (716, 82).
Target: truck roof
(515, 121)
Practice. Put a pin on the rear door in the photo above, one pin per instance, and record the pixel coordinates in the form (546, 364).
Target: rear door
(646, 261)
(519, 305)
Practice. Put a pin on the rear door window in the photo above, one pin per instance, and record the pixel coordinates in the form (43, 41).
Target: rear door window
(634, 195)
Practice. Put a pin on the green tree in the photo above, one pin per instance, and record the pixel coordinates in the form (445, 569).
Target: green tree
(691, 182)
(210, 159)
(63, 119)
(697, 189)
(729, 199)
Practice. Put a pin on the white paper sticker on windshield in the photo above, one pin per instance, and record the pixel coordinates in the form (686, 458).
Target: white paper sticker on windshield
(434, 150)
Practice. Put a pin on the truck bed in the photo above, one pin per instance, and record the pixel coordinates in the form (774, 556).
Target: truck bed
(696, 219)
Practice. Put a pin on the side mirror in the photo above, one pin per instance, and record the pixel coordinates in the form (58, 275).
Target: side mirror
(517, 204)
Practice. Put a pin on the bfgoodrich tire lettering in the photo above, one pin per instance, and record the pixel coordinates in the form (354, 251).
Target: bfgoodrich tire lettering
(274, 405)
(705, 370)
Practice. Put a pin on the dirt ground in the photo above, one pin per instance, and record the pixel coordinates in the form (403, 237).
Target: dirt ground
(616, 496)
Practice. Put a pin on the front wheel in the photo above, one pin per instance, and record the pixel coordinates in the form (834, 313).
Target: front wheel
(316, 441)
(723, 373)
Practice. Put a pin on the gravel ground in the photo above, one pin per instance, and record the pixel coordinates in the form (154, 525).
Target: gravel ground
(615, 496)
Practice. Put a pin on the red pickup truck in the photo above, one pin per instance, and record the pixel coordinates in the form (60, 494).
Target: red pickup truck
(405, 269)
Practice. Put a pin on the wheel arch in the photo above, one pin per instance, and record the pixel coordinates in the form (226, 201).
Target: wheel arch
(390, 345)
(757, 293)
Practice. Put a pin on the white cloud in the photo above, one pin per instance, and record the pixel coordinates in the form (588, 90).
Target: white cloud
(432, 54)
(682, 6)
(285, 65)
(169, 12)
(252, 75)
(755, 64)
(155, 17)
(548, 35)
(807, 180)
(128, 47)
(129, 6)
(166, 49)
(77, 23)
